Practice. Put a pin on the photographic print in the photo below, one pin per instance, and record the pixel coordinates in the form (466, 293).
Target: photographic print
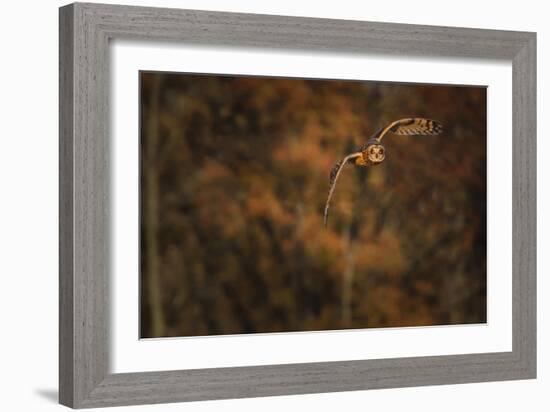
(274, 204)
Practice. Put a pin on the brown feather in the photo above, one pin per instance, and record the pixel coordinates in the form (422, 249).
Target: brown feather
(333, 178)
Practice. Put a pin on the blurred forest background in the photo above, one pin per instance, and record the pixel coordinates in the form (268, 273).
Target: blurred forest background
(234, 177)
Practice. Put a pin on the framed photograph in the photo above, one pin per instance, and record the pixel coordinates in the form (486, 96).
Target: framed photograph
(256, 205)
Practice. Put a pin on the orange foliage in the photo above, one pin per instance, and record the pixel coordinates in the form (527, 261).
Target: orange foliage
(243, 166)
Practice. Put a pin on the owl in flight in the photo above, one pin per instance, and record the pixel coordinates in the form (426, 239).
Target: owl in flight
(373, 153)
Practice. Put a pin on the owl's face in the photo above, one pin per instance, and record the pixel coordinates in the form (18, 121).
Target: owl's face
(375, 153)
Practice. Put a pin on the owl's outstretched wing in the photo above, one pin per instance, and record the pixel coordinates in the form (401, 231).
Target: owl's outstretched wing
(334, 174)
(411, 126)
(406, 126)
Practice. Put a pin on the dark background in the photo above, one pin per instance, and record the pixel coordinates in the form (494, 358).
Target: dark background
(234, 177)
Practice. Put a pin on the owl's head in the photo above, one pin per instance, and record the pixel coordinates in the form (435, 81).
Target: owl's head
(374, 153)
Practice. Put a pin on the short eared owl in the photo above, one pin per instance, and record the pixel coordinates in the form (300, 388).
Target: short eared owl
(373, 153)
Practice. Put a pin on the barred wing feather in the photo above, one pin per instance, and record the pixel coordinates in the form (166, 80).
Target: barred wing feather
(412, 126)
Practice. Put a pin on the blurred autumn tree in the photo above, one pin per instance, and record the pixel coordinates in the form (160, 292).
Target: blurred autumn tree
(234, 176)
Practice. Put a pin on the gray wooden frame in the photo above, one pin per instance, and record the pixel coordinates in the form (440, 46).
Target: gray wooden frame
(85, 31)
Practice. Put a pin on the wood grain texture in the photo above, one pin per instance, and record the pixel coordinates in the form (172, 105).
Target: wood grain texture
(524, 205)
(66, 184)
(84, 291)
(85, 31)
